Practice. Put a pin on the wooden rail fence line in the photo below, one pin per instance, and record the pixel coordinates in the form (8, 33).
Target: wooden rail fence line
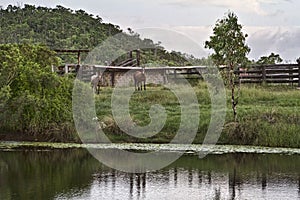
(279, 73)
(111, 74)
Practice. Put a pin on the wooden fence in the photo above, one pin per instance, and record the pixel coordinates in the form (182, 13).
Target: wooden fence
(111, 74)
(279, 73)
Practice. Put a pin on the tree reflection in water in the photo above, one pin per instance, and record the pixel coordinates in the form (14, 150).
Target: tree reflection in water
(74, 174)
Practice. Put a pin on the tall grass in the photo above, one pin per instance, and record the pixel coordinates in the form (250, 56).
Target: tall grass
(267, 115)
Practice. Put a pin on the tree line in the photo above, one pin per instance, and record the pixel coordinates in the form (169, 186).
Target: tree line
(64, 28)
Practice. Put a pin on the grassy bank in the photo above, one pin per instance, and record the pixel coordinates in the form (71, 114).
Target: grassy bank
(267, 115)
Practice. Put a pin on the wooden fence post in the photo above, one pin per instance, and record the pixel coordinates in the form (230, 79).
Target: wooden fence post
(291, 75)
(264, 76)
(130, 54)
(78, 57)
(165, 76)
(298, 60)
(138, 57)
(66, 69)
(112, 75)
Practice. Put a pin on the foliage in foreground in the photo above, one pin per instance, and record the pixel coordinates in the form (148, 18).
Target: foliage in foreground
(33, 99)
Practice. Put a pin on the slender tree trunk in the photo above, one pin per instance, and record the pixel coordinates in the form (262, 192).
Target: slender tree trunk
(234, 98)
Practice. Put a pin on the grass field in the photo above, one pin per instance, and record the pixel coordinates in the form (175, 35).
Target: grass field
(267, 115)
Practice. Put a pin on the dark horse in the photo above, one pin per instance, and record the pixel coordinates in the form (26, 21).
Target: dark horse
(139, 78)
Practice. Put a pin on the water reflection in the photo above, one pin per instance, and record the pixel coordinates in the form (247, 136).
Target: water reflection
(299, 184)
(74, 174)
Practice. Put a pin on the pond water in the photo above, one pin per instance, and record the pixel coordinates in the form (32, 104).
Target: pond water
(75, 174)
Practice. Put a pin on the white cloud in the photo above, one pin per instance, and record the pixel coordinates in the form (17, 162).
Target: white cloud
(173, 39)
(247, 6)
(282, 40)
(262, 40)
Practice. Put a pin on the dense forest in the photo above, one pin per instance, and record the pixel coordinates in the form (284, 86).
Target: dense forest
(63, 28)
(57, 28)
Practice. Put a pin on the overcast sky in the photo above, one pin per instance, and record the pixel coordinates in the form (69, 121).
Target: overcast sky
(272, 25)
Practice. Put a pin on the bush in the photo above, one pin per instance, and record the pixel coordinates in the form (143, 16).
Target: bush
(35, 100)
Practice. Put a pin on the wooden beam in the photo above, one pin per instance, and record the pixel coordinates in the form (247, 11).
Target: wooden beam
(71, 50)
(264, 74)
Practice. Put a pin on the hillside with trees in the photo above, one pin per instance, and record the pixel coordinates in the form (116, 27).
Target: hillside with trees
(56, 27)
(63, 28)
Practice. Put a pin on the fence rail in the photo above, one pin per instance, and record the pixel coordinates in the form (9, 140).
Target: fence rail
(279, 73)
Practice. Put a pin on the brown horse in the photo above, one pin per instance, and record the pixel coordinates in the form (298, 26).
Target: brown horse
(139, 78)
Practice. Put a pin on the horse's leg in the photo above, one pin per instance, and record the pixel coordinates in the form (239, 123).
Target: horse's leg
(98, 89)
(99, 85)
(144, 85)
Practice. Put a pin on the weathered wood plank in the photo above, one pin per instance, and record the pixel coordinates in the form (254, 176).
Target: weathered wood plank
(251, 71)
(259, 76)
(277, 71)
(281, 81)
(280, 76)
(251, 81)
(275, 66)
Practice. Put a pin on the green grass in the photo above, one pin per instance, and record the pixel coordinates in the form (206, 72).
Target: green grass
(267, 115)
